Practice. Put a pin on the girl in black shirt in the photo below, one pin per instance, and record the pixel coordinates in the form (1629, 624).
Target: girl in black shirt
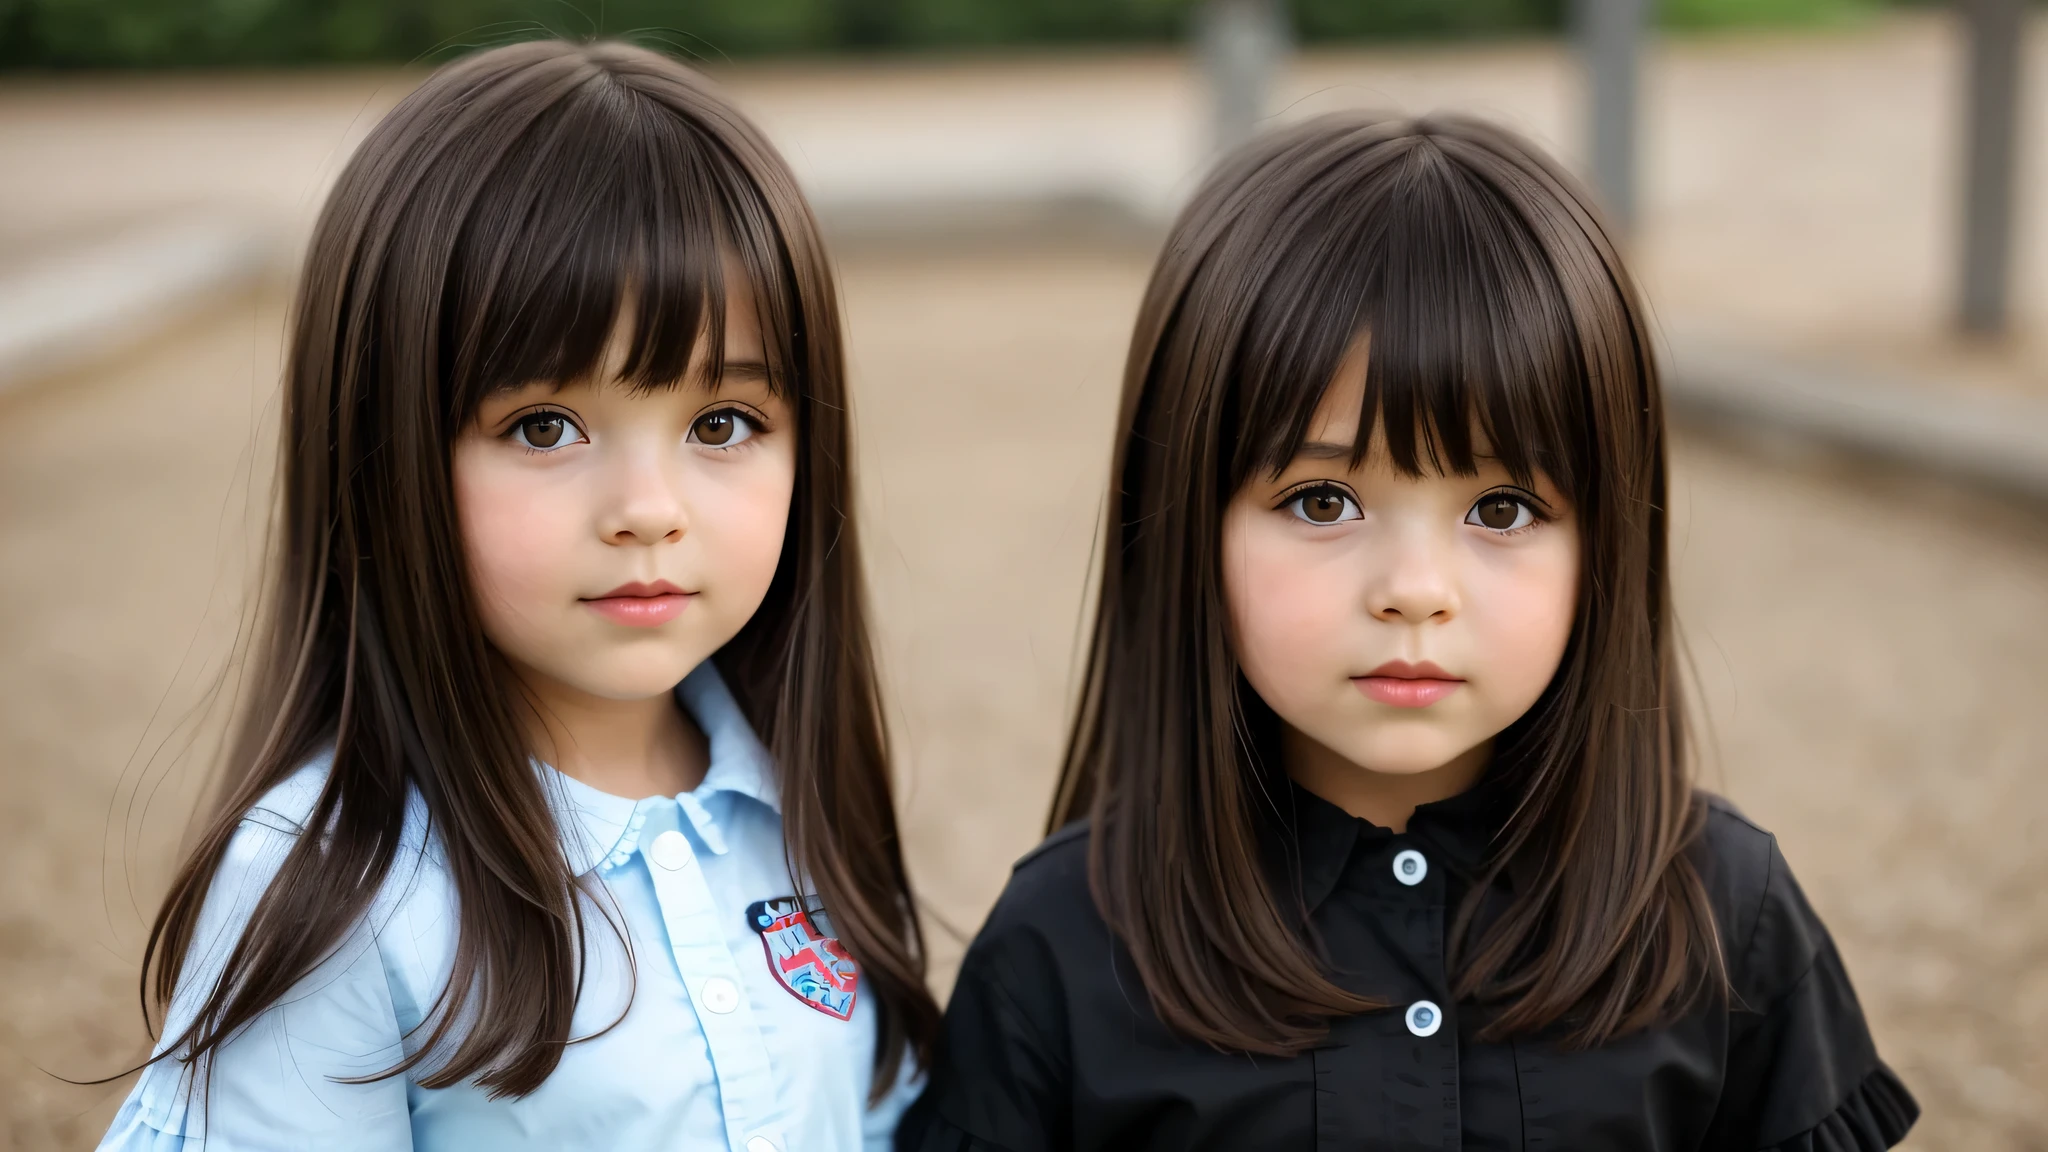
(1376, 826)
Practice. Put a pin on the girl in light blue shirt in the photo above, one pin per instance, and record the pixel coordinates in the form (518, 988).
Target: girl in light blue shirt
(559, 816)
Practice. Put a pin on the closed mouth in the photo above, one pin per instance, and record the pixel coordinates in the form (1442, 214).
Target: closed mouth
(639, 605)
(1403, 685)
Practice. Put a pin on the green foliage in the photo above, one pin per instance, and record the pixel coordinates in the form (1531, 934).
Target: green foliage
(1418, 19)
(1760, 13)
(203, 33)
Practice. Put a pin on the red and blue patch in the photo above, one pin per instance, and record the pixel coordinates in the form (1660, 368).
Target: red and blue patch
(804, 956)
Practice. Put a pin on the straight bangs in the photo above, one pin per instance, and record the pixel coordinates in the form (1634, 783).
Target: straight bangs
(611, 207)
(1472, 349)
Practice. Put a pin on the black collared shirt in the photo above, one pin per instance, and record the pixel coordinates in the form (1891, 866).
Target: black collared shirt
(1050, 1042)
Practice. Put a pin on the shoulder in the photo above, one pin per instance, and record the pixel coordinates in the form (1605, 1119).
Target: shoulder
(249, 866)
(1044, 918)
(283, 815)
(1057, 853)
(1003, 1069)
(1735, 857)
(1048, 889)
(269, 830)
(1769, 933)
(288, 806)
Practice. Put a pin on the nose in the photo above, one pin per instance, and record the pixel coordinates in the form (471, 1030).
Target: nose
(645, 504)
(1413, 583)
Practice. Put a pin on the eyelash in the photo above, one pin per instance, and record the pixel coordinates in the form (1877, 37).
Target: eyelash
(1319, 488)
(512, 433)
(754, 423)
(755, 426)
(1537, 516)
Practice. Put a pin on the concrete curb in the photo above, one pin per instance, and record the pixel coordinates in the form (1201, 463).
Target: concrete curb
(2000, 442)
(71, 307)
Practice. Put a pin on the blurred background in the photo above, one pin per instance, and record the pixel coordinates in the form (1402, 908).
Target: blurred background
(1831, 205)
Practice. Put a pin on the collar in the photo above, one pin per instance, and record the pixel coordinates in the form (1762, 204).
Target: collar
(599, 828)
(1314, 839)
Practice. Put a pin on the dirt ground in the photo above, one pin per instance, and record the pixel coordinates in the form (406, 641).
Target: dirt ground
(1868, 647)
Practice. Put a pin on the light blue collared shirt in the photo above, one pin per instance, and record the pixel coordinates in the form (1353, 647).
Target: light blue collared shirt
(714, 1050)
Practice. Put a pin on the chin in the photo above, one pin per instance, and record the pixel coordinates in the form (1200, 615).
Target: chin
(1404, 759)
(636, 682)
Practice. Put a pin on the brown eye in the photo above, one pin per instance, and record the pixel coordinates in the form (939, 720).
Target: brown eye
(545, 431)
(1324, 506)
(1501, 512)
(721, 429)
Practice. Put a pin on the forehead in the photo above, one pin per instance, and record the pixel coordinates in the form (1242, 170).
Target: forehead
(1338, 414)
(1333, 427)
(732, 355)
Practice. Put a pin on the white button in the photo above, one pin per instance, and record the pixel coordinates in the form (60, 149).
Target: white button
(762, 1144)
(721, 995)
(1410, 867)
(671, 850)
(1424, 1018)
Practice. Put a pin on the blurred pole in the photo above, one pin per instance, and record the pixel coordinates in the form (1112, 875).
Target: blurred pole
(1995, 29)
(1610, 36)
(1241, 44)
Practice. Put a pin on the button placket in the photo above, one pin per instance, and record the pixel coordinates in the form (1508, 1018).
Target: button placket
(711, 974)
(1419, 894)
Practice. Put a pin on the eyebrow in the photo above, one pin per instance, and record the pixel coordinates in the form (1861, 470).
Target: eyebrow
(1326, 450)
(745, 371)
(1323, 450)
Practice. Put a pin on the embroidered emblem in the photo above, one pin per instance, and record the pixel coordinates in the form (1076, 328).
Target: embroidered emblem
(804, 956)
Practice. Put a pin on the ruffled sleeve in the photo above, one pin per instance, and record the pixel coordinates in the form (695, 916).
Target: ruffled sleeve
(1803, 1072)
(131, 1131)
(1876, 1114)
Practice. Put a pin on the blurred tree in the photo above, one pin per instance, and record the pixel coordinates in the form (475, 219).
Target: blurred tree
(1412, 19)
(1737, 13)
(204, 33)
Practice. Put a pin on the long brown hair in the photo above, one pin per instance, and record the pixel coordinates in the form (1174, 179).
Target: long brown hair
(1493, 297)
(489, 232)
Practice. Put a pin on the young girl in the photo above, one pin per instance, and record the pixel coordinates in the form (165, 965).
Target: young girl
(1389, 841)
(561, 817)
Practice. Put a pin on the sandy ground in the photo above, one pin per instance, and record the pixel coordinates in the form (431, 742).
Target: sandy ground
(1867, 645)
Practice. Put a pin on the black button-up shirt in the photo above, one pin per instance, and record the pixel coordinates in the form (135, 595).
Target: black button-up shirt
(1051, 1043)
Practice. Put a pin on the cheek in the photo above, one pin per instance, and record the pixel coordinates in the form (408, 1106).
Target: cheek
(741, 519)
(1287, 601)
(510, 524)
(1523, 616)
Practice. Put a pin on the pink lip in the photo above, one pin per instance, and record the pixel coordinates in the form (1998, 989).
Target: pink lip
(638, 605)
(1404, 685)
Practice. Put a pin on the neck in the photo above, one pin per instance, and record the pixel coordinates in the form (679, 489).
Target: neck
(1387, 799)
(629, 748)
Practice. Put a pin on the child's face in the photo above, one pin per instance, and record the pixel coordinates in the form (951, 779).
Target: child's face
(1399, 623)
(617, 539)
